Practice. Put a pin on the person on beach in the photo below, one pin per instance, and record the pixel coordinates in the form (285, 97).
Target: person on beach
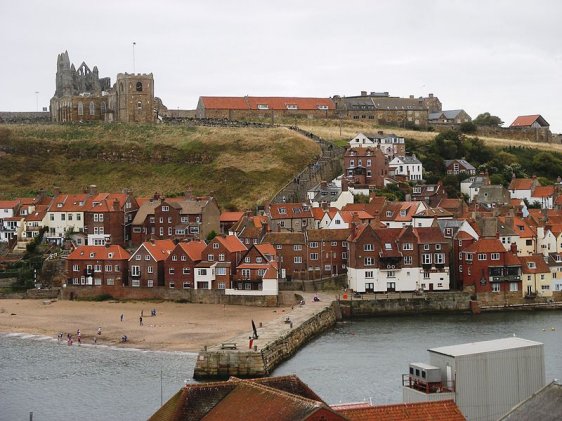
(99, 330)
(140, 320)
(121, 316)
(59, 337)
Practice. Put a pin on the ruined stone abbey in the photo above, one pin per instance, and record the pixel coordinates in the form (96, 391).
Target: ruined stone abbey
(81, 95)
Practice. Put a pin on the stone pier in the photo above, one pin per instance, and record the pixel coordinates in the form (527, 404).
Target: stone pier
(277, 341)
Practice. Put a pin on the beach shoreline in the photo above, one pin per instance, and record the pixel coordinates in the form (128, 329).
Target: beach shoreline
(184, 327)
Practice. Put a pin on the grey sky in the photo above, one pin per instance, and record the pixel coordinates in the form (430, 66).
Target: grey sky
(504, 57)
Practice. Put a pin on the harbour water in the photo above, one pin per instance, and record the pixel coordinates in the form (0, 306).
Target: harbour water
(356, 361)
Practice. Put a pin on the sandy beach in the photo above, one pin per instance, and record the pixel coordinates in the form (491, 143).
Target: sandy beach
(176, 327)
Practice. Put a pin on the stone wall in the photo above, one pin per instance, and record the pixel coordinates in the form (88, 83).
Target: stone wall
(201, 296)
(221, 364)
(426, 303)
(25, 117)
(333, 283)
(43, 293)
(530, 134)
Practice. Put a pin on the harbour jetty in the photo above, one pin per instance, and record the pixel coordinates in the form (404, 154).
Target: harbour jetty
(245, 356)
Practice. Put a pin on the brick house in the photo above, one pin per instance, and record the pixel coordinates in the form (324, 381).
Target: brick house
(293, 217)
(253, 266)
(179, 266)
(364, 167)
(228, 219)
(459, 166)
(146, 265)
(488, 267)
(292, 252)
(108, 218)
(185, 218)
(250, 229)
(431, 194)
(326, 252)
(219, 260)
(406, 259)
(97, 266)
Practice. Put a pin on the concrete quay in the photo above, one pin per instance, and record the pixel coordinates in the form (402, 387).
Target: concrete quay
(277, 341)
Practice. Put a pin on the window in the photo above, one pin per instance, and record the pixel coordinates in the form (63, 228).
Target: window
(258, 259)
(368, 247)
(202, 272)
(513, 287)
(407, 260)
(186, 285)
(186, 271)
(469, 257)
(369, 261)
(221, 257)
(297, 247)
(62, 216)
(108, 268)
(334, 243)
(171, 271)
(78, 217)
(110, 281)
(147, 257)
(92, 108)
(75, 268)
(391, 274)
(216, 246)
(135, 271)
(150, 283)
(495, 256)
(545, 287)
(138, 257)
(426, 259)
(437, 246)
(221, 285)
(97, 268)
(247, 259)
(387, 246)
(263, 107)
(221, 271)
(481, 256)
(278, 246)
(407, 246)
(183, 258)
(369, 274)
(174, 258)
(495, 287)
(139, 105)
(531, 265)
(116, 268)
(135, 283)
(172, 285)
(313, 256)
(165, 208)
(313, 244)
(210, 257)
(149, 269)
(439, 258)
(139, 87)
(528, 242)
(297, 259)
(426, 246)
(80, 108)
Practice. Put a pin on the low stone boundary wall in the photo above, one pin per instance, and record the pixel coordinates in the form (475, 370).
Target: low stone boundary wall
(223, 363)
(43, 293)
(414, 304)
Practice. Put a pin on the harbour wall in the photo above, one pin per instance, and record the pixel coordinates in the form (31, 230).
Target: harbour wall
(281, 342)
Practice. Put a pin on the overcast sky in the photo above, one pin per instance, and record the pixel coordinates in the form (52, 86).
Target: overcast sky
(504, 57)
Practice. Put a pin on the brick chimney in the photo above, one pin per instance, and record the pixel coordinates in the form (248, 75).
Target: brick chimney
(513, 248)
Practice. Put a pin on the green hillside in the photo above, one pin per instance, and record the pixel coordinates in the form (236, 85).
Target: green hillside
(241, 167)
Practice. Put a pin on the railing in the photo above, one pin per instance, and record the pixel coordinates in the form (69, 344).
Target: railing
(420, 385)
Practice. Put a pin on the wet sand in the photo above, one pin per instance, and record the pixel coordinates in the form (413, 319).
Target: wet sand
(176, 327)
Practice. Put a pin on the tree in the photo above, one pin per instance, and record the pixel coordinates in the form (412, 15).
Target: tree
(211, 235)
(468, 127)
(486, 119)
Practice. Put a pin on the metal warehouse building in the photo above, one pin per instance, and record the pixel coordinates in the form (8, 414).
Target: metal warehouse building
(486, 379)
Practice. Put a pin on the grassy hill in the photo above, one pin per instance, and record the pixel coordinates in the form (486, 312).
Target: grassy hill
(241, 167)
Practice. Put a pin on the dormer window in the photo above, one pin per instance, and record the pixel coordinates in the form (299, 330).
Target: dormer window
(282, 211)
(531, 265)
(388, 214)
(165, 208)
(292, 107)
(263, 107)
(59, 205)
(403, 213)
(92, 255)
(322, 107)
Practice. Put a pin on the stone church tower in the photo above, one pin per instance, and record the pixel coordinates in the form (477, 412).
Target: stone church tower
(135, 98)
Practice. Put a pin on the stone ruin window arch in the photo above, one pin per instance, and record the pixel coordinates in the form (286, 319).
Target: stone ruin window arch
(139, 86)
(92, 108)
(139, 105)
(121, 87)
(80, 108)
(102, 107)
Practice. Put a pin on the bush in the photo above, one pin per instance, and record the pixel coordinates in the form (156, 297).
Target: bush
(468, 127)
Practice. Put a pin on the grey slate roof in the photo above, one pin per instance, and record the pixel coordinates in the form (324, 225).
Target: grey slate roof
(463, 162)
(544, 405)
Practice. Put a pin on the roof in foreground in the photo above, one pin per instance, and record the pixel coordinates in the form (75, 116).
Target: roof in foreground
(485, 346)
(545, 405)
(418, 411)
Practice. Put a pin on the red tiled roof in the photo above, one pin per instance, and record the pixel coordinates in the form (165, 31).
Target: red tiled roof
(159, 249)
(266, 249)
(526, 120)
(273, 103)
(194, 249)
(349, 216)
(486, 245)
(232, 243)
(69, 203)
(429, 235)
(231, 216)
(543, 191)
(99, 252)
(9, 204)
(512, 260)
(317, 213)
(419, 411)
(521, 184)
(39, 214)
(538, 260)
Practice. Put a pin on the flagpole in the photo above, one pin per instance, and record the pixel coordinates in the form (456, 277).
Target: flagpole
(134, 67)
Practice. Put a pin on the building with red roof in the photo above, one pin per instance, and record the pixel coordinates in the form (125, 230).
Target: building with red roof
(418, 411)
(146, 265)
(534, 121)
(96, 266)
(228, 219)
(179, 267)
(239, 108)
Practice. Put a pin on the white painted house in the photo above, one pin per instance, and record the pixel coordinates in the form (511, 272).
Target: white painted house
(407, 166)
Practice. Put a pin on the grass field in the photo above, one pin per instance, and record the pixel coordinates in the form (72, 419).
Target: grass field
(241, 167)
